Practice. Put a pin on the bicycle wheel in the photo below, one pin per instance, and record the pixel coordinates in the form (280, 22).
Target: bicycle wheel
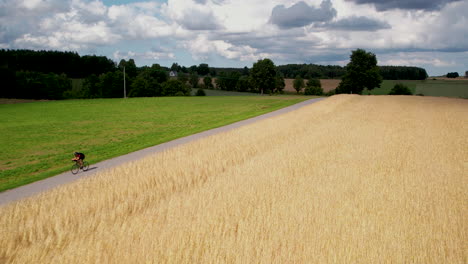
(75, 168)
(85, 165)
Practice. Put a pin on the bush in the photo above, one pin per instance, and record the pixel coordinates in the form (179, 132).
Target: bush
(175, 87)
(452, 75)
(331, 92)
(208, 82)
(200, 92)
(298, 84)
(193, 80)
(314, 82)
(313, 90)
(400, 89)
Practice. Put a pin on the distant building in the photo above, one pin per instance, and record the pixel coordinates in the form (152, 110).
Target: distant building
(173, 74)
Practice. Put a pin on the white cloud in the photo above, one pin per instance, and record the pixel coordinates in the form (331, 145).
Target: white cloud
(402, 61)
(238, 30)
(137, 26)
(201, 48)
(301, 14)
(405, 4)
(149, 55)
(192, 15)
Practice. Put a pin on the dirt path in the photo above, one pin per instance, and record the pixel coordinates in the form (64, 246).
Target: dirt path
(51, 182)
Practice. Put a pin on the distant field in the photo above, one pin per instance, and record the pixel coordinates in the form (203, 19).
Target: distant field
(38, 138)
(327, 84)
(350, 179)
(429, 87)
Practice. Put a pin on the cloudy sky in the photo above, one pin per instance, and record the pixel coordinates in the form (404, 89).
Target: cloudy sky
(432, 34)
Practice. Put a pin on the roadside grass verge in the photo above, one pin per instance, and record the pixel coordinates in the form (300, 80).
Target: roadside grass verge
(38, 139)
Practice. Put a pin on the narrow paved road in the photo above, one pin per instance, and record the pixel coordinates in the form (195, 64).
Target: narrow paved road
(66, 177)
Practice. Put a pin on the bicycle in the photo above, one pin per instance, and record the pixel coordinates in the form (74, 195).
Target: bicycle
(76, 167)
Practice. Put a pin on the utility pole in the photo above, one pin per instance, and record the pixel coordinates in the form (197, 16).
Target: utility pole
(125, 91)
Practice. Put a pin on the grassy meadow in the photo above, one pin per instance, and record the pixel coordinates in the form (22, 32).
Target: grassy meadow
(429, 87)
(350, 179)
(38, 139)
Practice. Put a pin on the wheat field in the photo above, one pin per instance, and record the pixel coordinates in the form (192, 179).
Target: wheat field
(351, 179)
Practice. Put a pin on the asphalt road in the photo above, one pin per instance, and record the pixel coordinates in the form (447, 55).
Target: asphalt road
(51, 182)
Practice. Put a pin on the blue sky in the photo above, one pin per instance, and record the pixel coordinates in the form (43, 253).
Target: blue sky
(235, 33)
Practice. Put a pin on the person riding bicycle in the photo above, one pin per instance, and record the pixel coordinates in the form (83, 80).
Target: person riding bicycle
(79, 157)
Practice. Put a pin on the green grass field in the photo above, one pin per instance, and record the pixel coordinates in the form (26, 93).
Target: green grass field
(38, 139)
(429, 87)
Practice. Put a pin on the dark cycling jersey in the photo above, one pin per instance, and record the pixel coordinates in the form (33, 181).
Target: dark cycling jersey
(81, 155)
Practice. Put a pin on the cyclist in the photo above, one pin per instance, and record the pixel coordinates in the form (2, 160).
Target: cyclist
(79, 157)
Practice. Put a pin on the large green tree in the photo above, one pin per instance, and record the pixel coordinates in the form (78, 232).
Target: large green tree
(208, 82)
(175, 87)
(263, 75)
(362, 73)
(298, 84)
(130, 67)
(193, 80)
(279, 83)
(147, 83)
(203, 69)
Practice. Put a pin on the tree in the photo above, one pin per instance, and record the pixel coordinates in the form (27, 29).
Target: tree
(298, 84)
(158, 73)
(361, 72)
(314, 87)
(227, 81)
(111, 84)
(313, 90)
(146, 85)
(175, 87)
(402, 73)
(314, 83)
(193, 80)
(193, 69)
(203, 69)
(37, 85)
(279, 83)
(263, 75)
(91, 85)
(183, 77)
(221, 81)
(245, 71)
(208, 82)
(452, 75)
(243, 84)
(175, 67)
(231, 81)
(466, 74)
(130, 67)
(200, 92)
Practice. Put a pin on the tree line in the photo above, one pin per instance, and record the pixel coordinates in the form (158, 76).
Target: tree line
(68, 63)
(308, 71)
(60, 75)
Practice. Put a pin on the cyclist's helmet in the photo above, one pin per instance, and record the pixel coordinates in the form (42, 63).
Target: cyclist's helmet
(76, 153)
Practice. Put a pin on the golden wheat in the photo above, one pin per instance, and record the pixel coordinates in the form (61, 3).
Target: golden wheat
(351, 179)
